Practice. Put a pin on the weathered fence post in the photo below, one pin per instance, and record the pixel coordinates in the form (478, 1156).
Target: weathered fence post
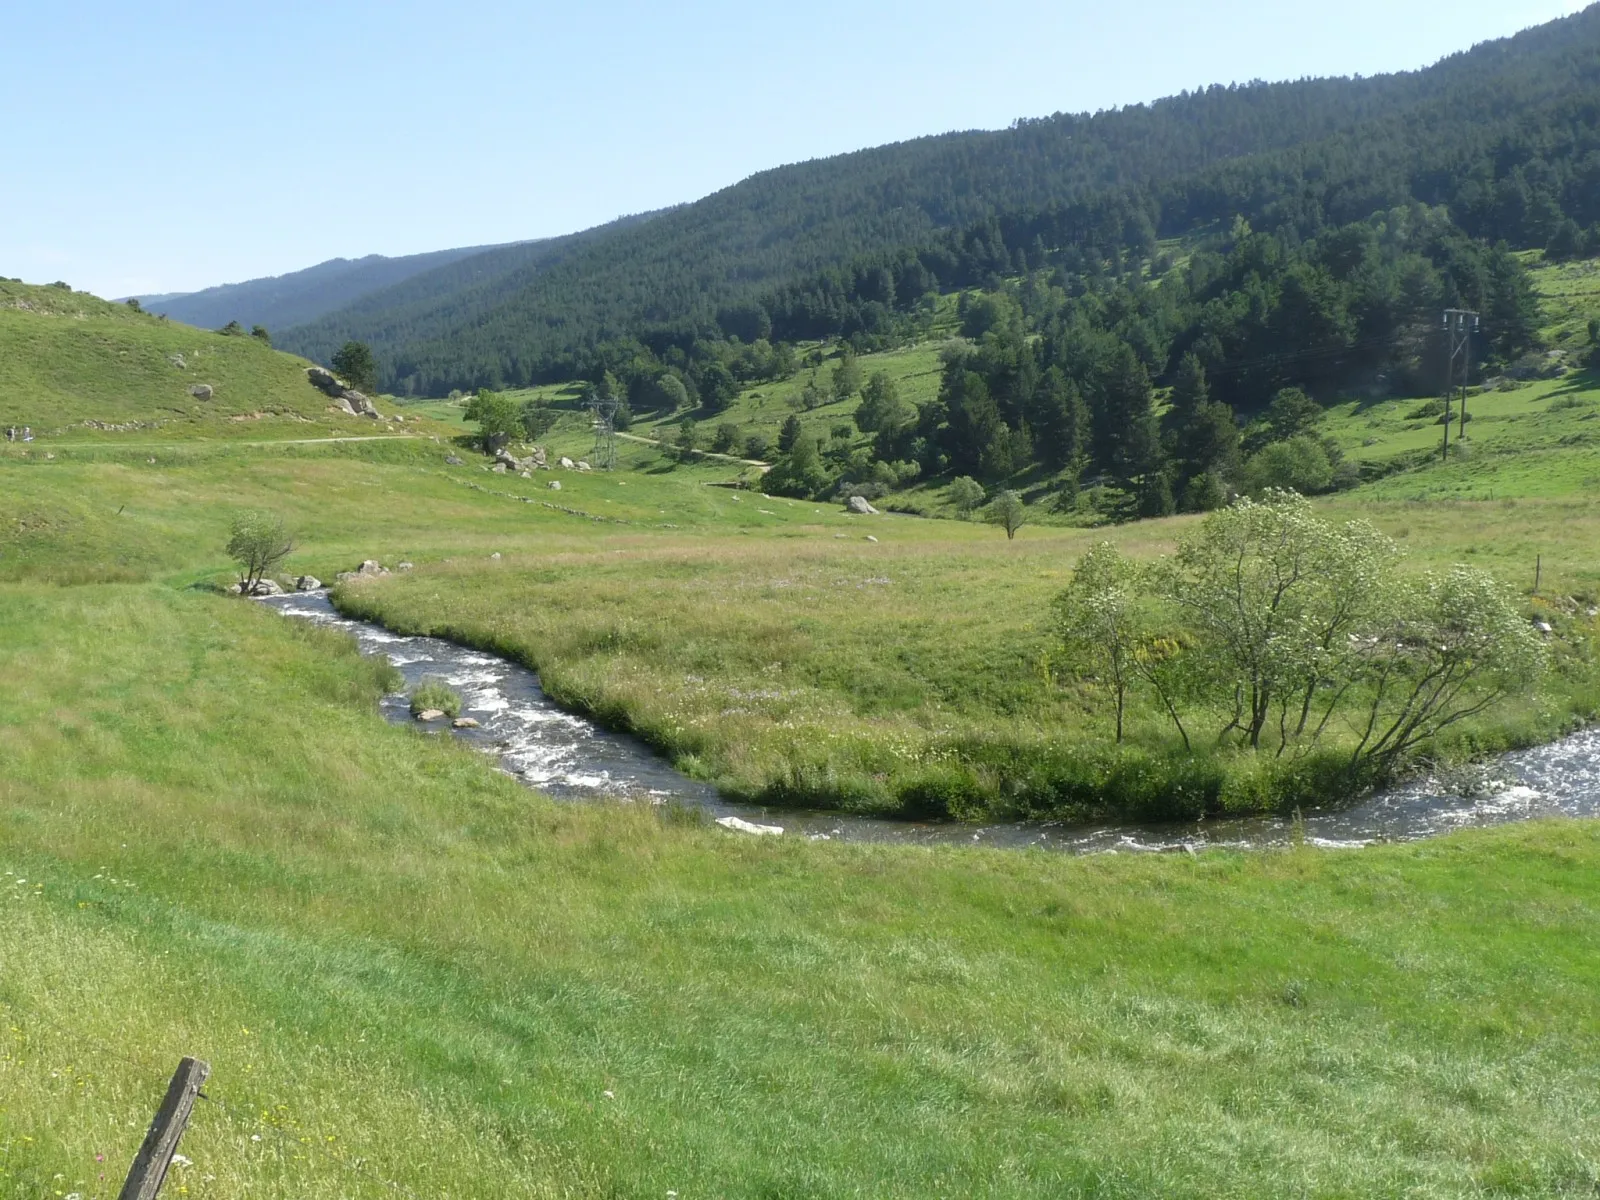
(150, 1165)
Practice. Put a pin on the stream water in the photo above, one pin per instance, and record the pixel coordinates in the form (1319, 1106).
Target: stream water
(568, 757)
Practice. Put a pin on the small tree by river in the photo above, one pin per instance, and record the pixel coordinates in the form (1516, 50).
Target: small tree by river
(259, 542)
(1287, 633)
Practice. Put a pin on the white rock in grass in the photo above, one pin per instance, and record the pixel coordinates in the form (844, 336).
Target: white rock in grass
(739, 825)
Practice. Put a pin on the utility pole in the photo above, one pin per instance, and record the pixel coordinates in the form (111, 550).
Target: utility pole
(1459, 325)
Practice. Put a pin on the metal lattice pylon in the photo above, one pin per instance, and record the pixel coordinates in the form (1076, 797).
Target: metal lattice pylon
(604, 454)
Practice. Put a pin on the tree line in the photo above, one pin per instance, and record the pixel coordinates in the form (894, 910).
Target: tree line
(1058, 372)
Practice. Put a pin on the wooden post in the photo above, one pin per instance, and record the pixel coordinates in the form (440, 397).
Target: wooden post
(1538, 571)
(150, 1165)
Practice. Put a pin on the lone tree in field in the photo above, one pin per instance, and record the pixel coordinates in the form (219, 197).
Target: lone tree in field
(498, 417)
(688, 440)
(1007, 511)
(354, 363)
(259, 542)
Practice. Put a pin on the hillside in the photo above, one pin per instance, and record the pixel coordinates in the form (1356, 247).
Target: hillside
(1499, 133)
(280, 301)
(73, 363)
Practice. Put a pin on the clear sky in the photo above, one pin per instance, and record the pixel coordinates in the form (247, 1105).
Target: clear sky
(168, 146)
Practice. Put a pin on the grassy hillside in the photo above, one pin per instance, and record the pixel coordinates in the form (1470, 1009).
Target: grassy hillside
(71, 364)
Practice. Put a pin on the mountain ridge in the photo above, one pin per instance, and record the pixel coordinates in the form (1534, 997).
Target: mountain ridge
(1218, 148)
(295, 297)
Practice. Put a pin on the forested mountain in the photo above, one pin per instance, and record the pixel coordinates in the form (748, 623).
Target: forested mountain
(1503, 135)
(280, 301)
(481, 283)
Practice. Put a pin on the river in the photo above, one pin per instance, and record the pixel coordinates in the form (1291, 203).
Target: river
(569, 757)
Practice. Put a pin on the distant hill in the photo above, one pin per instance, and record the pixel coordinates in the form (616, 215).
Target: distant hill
(280, 301)
(71, 361)
(1501, 134)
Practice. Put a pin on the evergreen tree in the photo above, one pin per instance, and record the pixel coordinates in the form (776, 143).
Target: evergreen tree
(789, 435)
(1189, 390)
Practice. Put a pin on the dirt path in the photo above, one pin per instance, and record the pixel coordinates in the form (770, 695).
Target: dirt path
(660, 445)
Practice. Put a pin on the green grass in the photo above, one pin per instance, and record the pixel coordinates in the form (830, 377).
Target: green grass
(405, 969)
(77, 368)
(817, 669)
(413, 976)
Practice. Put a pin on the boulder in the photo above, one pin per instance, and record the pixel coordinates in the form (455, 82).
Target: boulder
(506, 458)
(261, 587)
(555, 485)
(499, 468)
(371, 567)
(201, 391)
(858, 504)
(465, 723)
(308, 583)
(177, 361)
(326, 381)
(739, 825)
(430, 714)
(495, 555)
(405, 566)
(527, 474)
(537, 459)
(870, 538)
(452, 460)
(583, 466)
(567, 464)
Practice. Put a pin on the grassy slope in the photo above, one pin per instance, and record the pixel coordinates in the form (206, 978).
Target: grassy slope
(404, 968)
(67, 358)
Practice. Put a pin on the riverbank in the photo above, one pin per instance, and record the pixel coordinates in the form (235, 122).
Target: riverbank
(909, 668)
(549, 749)
(425, 976)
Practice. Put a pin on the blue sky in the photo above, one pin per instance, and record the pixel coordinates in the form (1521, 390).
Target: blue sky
(167, 146)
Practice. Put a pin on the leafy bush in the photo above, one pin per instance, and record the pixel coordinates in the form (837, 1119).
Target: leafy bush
(1299, 464)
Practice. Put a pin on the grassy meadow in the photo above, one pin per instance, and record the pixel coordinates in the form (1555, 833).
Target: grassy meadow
(412, 976)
